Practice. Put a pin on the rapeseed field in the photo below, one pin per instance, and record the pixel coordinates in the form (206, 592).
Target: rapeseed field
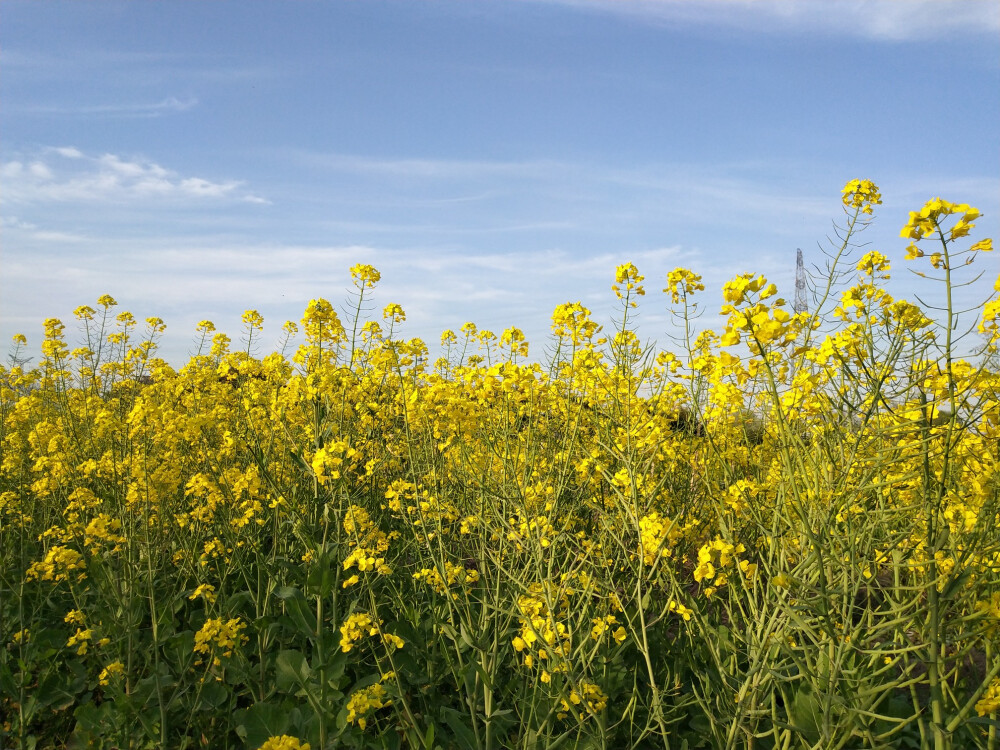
(783, 534)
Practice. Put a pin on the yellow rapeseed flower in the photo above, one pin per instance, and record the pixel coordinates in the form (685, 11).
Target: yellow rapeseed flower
(680, 282)
(365, 276)
(990, 701)
(112, 672)
(284, 742)
(863, 194)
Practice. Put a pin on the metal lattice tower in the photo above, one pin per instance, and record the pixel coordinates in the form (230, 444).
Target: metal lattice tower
(801, 304)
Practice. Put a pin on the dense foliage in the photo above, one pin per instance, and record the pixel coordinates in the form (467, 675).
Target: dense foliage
(783, 535)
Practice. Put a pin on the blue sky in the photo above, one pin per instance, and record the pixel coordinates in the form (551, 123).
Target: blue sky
(493, 159)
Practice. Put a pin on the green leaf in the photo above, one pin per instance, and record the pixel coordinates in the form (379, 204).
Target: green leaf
(261, 721)
(321, 580)
(291, 671)
(213, 695)
(391, 740)
(456, 721)
(298, 460)
(179, 649)
(58, 691)
(805, 713)
(464, 635)
(332, 673)
(298, 610)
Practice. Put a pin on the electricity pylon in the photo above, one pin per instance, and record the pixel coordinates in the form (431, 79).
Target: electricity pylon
(801, 304)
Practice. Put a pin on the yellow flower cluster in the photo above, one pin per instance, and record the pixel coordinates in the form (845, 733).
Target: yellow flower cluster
(715, 558)
(111, 673)
(874, 263)
(218, 634)
(587, 696)
(369, 542)
(58, 564)
(989, 703)
(365, 276)
(454, 574)
(367, 701)
(81, 640)
(679, 609)
(538, 529)
(863, 194)
(735, 291)
(205, 591)
(361, 624)
(657, 534)
(604, 624)
(328, 461)
(927, 221)
(628, 281)
(543, 631)
(284, 742)
(990, 611)
(682, 283)
(572, 321)
(356, 627)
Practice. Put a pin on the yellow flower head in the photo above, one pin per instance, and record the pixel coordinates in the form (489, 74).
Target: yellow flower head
(394, 313)
(736, 290)
(682, 281)
(628, 276)
(572, 320)
(356, 627)
(81, 640)
(284, 742)
(927, 221)
(680, 609)
(253, 319)
(206, 591)
(364, 702)
(861, 194)
(365, 276)
(990, 701)
(217, 633)
(114, 671)
(874, 263)
(84, 312)
(320, 321)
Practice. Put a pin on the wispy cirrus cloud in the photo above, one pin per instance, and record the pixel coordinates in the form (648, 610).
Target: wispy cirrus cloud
(885, 20)
(185, 282)
(159, 108)
(426, 168)
(67, 175)
(483, 180)
(27, 230)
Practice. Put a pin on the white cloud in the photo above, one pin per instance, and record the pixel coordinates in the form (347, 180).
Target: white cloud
(890, 20)
(65, 174)
(439, 288)
(136, 109)
(69, 152)
(427, 168)
(17, 230)
(572, 188)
